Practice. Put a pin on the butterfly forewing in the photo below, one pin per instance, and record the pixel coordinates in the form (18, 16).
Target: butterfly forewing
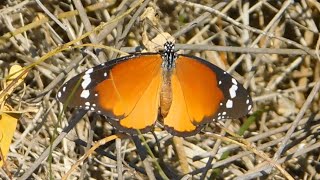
(196, 96)
(76, 91)
(131, 92)
(117, 89)
(236, 101)
(203, 92)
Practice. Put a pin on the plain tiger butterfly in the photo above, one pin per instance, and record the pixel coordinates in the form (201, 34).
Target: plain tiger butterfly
(184, 92)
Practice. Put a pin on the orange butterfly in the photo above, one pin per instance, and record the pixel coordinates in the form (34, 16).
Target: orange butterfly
(182, 91)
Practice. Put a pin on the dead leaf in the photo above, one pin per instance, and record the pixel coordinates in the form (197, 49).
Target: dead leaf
(8, 123)
(8, 126)
(156, 43)
(151, 15)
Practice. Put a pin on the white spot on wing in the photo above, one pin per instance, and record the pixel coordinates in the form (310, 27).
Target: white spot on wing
(229, 104)
(220, 82)
(64, 89)
(59, 94)
(105, 74)
(234, 81)
(249, 107)
(232, 91)
(89, 71)
(247, 101)
(86, 81)
(85, 94)
(87, 104)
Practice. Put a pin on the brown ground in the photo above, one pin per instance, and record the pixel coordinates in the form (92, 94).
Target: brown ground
(268, 46)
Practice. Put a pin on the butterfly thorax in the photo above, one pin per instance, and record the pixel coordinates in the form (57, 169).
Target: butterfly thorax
(169, 57)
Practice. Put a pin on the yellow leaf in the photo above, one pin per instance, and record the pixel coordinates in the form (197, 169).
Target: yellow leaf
(7, 127)
(14, 72)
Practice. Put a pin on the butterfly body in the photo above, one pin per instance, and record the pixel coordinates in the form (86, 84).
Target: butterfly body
(185, 91)
(165, 93)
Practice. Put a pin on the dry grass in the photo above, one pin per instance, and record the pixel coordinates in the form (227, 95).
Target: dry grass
(268, 46)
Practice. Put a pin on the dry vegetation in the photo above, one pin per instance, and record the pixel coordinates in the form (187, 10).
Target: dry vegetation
(268, 46)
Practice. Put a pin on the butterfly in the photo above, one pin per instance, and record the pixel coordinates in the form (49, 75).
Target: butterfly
(182, 92)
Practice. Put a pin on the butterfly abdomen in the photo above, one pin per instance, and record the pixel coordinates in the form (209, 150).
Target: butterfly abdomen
(165, 93)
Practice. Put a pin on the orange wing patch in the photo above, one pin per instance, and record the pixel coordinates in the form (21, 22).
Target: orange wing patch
(178, 119)
(196, 95)
(145, 111)
(127, 91)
